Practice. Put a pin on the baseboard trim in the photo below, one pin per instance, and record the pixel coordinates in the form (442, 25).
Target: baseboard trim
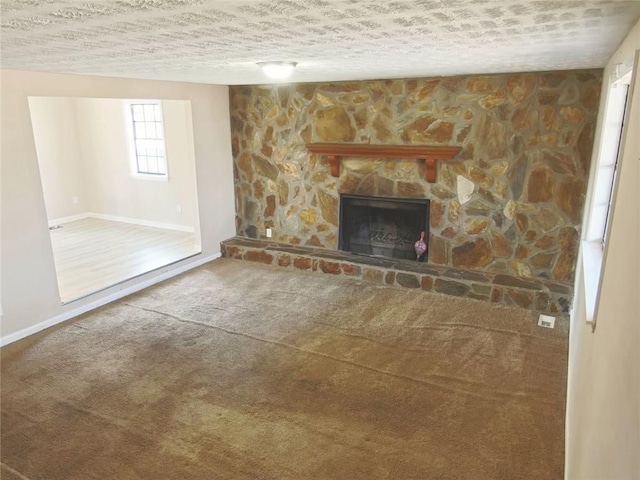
(63, 317)
(144, 223)
(71, 218)
(116, 218)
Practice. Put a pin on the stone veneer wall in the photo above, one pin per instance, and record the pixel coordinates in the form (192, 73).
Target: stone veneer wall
(526, 146)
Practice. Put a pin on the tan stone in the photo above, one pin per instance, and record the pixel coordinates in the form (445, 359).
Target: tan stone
(244, 165)
(545, 242)
(350, 269)
(570, 197)
(283, 192)
(258, 189)
(481, 178)
(372, 275)
(315, 241)
(542, 260)
(560, 162)
(348, 183)
(428, 129)
(258, 256)
(426, 89)
(482, 84)
(309, 216)
(333, 125)
(548, 116)
(584, 145)
(449, 232)
(565, 264)
(547, 219)
(522, 222)
(361, 165)
(521, 298)
(500, 246)
(301, 263)
(384, 187)
(367, 186)
(522, 119)
(271, 206)
(454, 211)
(328, 207)
(390, 278)
(436, 212)
(520, 268)
(492, 101)
(410, 189)
(572, 114)
(284, 260)
(475, 226)
(522, 251)
(265, 168)
(290, 169)
(382, 132)
(438, 250)
(494, 137)
(590, 96)
(540, 187)
(475, 254)
(520, 87)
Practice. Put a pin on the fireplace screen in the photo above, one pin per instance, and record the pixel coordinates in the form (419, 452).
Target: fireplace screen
(382, 226)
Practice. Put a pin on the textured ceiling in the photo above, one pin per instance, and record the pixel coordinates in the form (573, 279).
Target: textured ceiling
(220, 41)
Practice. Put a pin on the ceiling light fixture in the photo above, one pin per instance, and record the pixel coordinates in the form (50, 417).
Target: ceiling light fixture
(277, 70)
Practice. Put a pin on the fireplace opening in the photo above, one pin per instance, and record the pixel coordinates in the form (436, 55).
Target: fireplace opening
(387, 227)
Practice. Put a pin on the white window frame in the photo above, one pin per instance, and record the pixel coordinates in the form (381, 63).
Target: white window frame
(131, 140)
(604, 182)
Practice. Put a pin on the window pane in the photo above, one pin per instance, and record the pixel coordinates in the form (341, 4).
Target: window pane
(138, 114)
(143, 165)
(162, 166)
(157, 113)
(153, 165)
(140, 130)
(148, 113)
(141, 147)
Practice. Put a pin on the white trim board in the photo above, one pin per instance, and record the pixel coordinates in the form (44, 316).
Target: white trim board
(25, 332)
(116, 218)
(71, 218)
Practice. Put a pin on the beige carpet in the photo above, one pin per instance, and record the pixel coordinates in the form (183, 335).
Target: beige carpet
(241, 371)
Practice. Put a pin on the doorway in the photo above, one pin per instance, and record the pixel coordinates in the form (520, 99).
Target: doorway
(119, 183)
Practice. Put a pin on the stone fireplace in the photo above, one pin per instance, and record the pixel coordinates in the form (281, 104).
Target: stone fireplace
(509, 205)
(381, 226)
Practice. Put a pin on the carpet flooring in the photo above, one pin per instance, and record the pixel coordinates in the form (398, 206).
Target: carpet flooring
(237, 370)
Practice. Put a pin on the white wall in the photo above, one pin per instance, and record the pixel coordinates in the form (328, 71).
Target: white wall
(83, 151)
(29, 289)
(603, 404)
(55, 130)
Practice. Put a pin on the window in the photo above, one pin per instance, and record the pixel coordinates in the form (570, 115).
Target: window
(148, 139)
(608, 161)
(602, 190)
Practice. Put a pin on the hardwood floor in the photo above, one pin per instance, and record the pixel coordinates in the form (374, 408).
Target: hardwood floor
(93, 254)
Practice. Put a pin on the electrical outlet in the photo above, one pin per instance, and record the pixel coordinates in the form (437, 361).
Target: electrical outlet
(546, 321)
(268, 233)
(179, 208)
(74, 199)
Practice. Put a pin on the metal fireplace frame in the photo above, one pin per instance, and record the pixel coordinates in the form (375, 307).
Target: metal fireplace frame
(392, 202)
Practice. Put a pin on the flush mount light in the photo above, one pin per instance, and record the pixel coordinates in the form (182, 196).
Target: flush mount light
(277, 70)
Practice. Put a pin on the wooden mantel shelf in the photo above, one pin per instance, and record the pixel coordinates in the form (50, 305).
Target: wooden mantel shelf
(335, 152)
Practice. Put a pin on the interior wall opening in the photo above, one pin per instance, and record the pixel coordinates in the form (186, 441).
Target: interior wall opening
(119, 184)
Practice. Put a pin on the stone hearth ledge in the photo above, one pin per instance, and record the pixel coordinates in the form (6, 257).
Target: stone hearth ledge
(539, 295)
